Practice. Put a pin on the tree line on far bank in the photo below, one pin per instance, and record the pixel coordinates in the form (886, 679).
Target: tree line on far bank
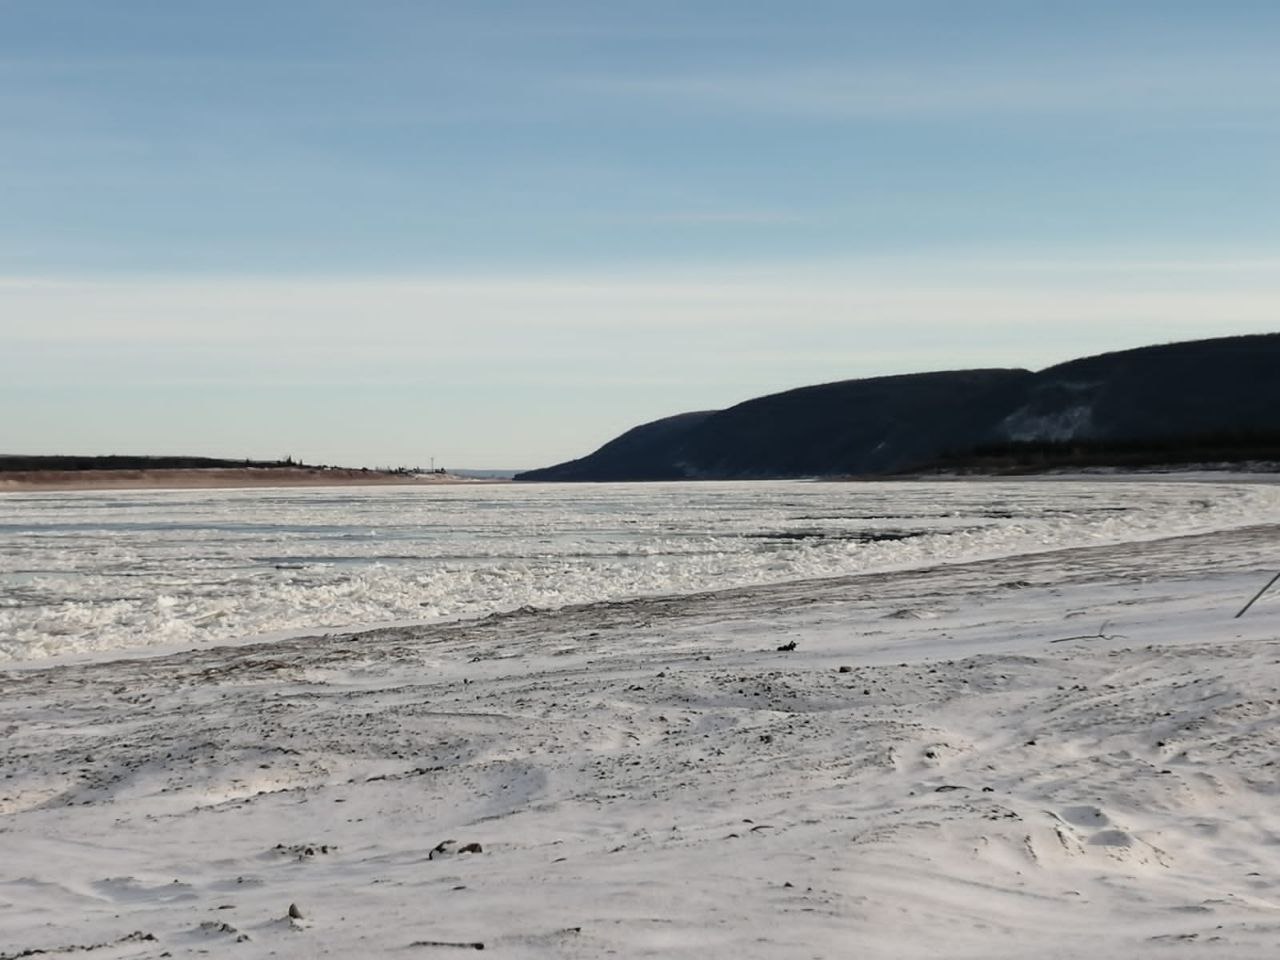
(17, 462)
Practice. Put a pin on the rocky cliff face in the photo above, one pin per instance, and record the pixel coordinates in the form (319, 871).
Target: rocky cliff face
(888, 424)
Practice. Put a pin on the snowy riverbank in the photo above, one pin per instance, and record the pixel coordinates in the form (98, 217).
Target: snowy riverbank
(654, 778)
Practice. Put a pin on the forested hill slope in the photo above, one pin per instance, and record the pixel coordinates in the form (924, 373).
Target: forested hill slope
(1167, 393)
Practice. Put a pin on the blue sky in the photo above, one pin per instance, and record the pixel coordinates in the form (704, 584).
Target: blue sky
(500, 233)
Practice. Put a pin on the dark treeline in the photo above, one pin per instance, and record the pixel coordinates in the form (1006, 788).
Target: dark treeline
(15, 462)
(1033, 456)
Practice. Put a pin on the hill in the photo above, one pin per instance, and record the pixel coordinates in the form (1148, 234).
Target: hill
(1164, 402)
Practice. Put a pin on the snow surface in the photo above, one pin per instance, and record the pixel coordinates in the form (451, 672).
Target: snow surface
(1064, 753)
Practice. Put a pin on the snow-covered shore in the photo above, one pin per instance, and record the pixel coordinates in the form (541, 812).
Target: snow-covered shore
(1058, 755)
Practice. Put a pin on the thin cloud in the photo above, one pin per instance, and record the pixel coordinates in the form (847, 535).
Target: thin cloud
(713, 218)
(1093, 86)
(484, 316)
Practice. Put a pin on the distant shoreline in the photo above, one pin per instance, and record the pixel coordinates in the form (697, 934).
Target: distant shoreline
(216, 478)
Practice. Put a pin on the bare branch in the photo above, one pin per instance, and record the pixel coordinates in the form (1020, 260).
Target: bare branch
(1100, 635)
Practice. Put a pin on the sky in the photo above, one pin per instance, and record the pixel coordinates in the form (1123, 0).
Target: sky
(497, 234)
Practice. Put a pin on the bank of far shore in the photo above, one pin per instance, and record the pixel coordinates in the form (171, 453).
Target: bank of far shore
(214, 478)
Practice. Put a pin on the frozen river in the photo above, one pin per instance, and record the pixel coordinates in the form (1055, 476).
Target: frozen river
(95, 572)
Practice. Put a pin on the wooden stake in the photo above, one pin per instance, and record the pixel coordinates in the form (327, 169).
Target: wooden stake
(1256, 596)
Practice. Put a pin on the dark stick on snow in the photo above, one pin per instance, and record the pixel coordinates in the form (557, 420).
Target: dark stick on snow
(1256, 596)
(1100, 635)
(459, 944)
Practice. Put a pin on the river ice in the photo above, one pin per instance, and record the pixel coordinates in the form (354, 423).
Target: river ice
(96, 572)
